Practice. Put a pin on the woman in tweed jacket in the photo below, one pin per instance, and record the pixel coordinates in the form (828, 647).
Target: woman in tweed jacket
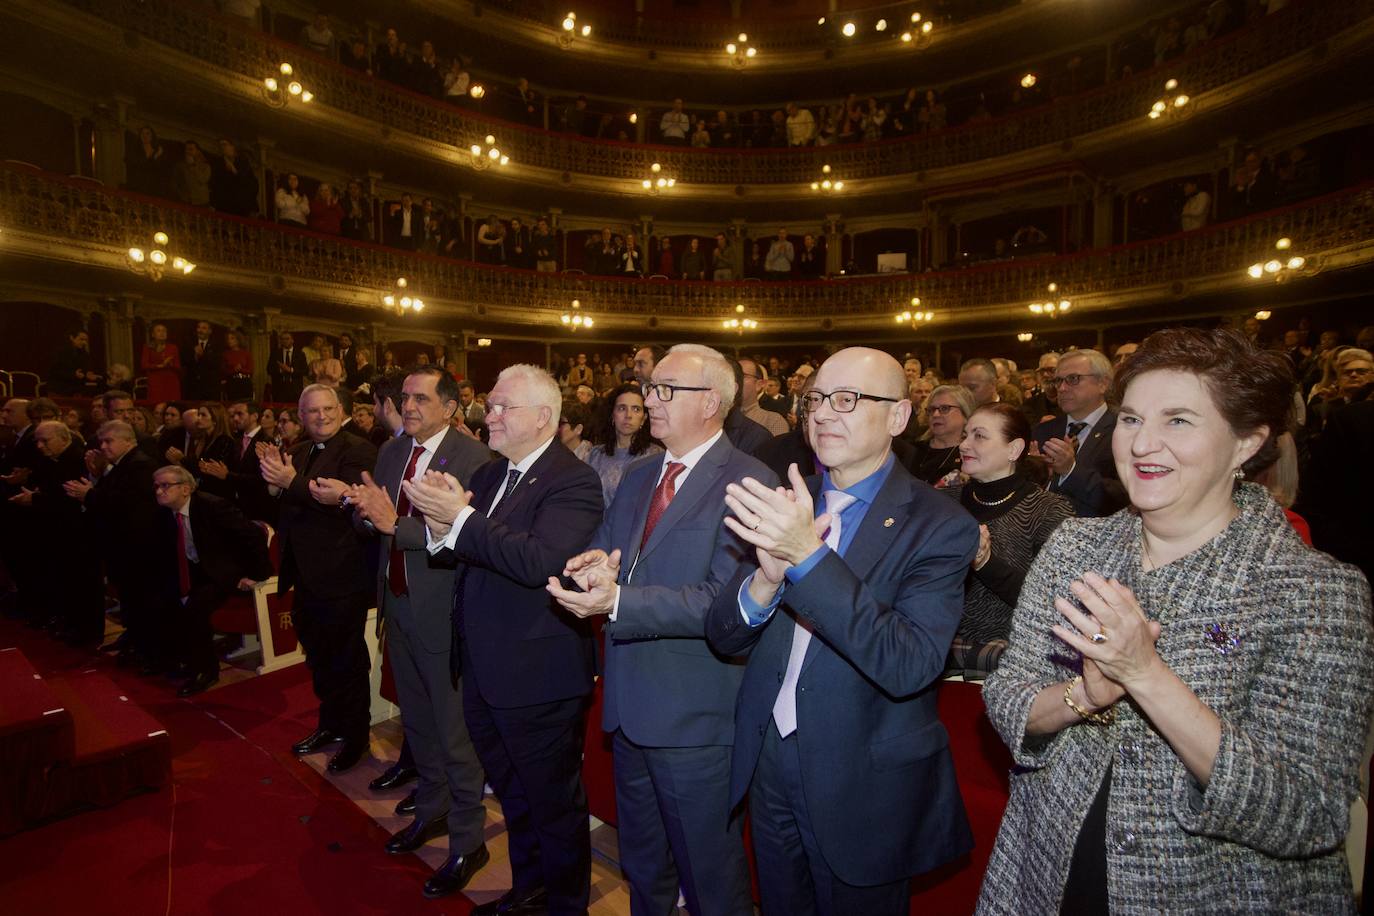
(1188, 686)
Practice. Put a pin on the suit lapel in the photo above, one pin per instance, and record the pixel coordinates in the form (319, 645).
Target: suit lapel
(702, 477)
(527, 480)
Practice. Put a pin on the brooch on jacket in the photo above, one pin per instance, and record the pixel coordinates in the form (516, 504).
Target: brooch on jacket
(1224, 637)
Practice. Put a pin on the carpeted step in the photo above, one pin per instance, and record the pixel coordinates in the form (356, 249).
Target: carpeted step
(36, 733)
(120, 748)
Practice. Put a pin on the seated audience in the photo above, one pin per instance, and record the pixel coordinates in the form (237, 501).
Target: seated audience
(937, 459)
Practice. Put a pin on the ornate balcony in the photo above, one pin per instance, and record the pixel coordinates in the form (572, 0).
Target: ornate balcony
(216, 41)
(51, 217)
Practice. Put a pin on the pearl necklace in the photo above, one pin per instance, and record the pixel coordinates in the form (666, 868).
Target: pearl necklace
(995, 502)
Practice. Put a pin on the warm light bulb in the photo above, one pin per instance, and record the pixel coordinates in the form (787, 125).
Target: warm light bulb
(490, 140)
(915, 17)
(577, 320)
(477, 91)
(815, 185)
(286, 70)
(1053, 287)
(730, 48)
(899, 319)
(1296, 263)
(1028, 81)
(476, 150)
(750, 53)
(1036, 307)
(294, 88)
(402, 282)
(157, 257)
(136, 255)
(820, 21)
(1024, 337)
(634, 117)
(586, 30)
(671, 182)
(577, 303)
(405, 302)
(1256, 270)
(494, 153)
(187, 267)
(927, 26)
(647, 184)
(566, 319)
(160, 238)
(587, 322)
(1180, 101)
(178, 263)
(1270, 267)
(826, 184)
(839, 186)
(568, 24)
(906, 36)
(881, 25)
(663, 182)
(271, 84)
(307, 96)
(848, 30)
(915, 300)
(1158, 107)
(417, 304)
(505, 159)
(1171, 85)
(725, 323)
(739, 309)
(1064, 305)
(1284, 244)
(388, 300)
(1263, 315)
(656, 168)
(825, 170)
(1154, 115)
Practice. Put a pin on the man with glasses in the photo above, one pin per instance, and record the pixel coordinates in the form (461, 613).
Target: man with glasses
(751, 391)
(208, 550)
(1043, 403)
(526, 664)
(1078, 446)
(323, 560)
(847, 621)
(654, 568)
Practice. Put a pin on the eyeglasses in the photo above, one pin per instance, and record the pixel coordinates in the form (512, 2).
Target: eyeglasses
(942, 409)
(1072, 380)
(665, 391)
(159, 487)
(1356, 371)
(841, 401)
(497, 410)
(1046, 372)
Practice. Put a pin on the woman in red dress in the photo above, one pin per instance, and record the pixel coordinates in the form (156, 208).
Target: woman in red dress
(162, 365)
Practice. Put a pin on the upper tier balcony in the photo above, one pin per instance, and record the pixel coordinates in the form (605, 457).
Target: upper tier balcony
(1266, 56)
(69, 231)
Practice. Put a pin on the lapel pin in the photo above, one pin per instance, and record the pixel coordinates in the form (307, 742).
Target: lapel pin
(443, 461)
(889, 522)
(530, 480)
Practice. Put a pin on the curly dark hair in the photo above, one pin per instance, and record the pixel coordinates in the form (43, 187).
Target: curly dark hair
(1252, 388)
(642, 439)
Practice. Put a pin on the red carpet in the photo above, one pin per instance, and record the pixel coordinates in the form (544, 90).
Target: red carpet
(244, 829)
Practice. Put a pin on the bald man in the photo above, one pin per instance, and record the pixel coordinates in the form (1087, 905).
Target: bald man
(847, 621)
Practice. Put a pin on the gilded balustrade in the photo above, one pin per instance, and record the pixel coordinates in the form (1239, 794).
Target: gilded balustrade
(63, 210)
(190, 28)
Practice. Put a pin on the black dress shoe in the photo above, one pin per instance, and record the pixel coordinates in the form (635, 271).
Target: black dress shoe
(314, 741)
(416, 835)
(348, 755)
(406, 806)
(395, 777)
(456, 872)
(515, 903)
(197, 684)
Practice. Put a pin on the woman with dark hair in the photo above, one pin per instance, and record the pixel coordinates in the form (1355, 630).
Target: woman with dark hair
(1015, 518)
(573, 422)
(147, 164)
(210, 451)
(288, 427)
(293, 206)
(624, 437)
(161, 364)
(1187, 686)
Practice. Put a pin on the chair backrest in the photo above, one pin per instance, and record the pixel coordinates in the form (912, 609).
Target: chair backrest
(30, 382)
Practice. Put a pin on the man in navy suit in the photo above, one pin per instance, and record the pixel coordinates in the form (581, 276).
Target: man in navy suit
(849, 617)
(655, 567)
(1078, 446)
(526, 663)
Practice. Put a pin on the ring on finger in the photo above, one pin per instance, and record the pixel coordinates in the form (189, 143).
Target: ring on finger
(1099, 637)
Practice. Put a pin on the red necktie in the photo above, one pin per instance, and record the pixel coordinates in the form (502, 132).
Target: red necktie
(183, 564)
(663, 495)
(396, 568)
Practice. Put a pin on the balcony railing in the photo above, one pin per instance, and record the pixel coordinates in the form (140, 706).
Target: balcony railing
(214, 40)
(66, 210)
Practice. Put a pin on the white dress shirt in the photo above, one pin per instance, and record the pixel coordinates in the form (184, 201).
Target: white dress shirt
(1092, 420)
(451, 539)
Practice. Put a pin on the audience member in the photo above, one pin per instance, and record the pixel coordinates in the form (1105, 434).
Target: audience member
(1077, 447)
(979, 376)
(161, 365)
(293, 206)
(73, 370)
(937, 460)
(233, 184)
(202, 363)
(191, 177)
(674, 124)
(624, 438)
(781, 254)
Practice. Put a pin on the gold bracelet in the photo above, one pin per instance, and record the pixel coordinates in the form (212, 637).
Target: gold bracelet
(1102, 717)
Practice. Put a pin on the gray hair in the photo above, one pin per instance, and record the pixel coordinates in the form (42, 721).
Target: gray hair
(716, 371)
(180, 473)
(117, 429)
(544, 390)
(57, 428)
(960, 394)
(311, 389)
(1100, 364)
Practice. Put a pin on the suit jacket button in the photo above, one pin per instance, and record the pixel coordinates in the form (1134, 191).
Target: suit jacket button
(762, 729)
(779, 677)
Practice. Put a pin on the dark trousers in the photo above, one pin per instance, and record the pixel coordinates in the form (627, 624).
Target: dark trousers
(139, 608)
(331, 633)
(533, 759)
(437, 736)
(191, 639)
(794, 879)
(673, 806)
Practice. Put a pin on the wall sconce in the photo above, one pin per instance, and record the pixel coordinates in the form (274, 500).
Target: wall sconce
(1284, 265)
(918, 35)
(279, 91)
(1025, 337)
(484, 341)
(1173, 106)
(571, 30)
(404, 302)
(486, 154)
(156, 262)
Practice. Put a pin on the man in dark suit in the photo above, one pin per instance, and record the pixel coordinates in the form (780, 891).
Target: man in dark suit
(322, 558)
(655, 566)
(119, 405)
(526, 663)
(17, 461)
(347, 356)
(200, 363)
(1339, 490)
(288, 369)
(1078, 446)
(208, 550)
(119, 498)
(405, 225)
(242, 470)
(850, 614)
(1045, 401)
(414, 598)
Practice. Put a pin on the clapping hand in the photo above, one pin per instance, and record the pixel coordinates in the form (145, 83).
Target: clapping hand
(24, 497)
(780, 523)
(595, 572)
(328, 491)
(439, 497)
(276, 467)
(374, 504)
(16, 477)
(174, 455)
(1060, 453)
(1112, 634)
(213, 468)
(95, 461)
(77, 489)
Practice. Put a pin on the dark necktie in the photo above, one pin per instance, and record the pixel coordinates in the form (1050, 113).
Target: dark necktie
(396, 567)
(1076, 427)
(512, 478)
(455, 657)
(183, 564)
(663, 495)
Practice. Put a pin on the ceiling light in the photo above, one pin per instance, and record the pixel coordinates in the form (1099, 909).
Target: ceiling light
(1028, 81)
(881, 25)
(848, 30)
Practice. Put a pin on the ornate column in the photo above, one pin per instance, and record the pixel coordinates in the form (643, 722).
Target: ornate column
(259, 326)
(378, 234)
(1104, 215)
(379, 341)
(265, 190)
(108, 125)
(737, 237)
(119, 330)
(939, 238)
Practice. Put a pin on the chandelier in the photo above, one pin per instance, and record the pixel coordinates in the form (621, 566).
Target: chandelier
(919, 34)
(1051, 307)
(739, 325)
(740, 51)
(486, 154)
(155, 262)
(1176, 107)
(571, 30)
(1283, 266)
(914, 316)
(826, 183)
(278, 92)
(403, 302)
(574, 319)
(656, 181)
